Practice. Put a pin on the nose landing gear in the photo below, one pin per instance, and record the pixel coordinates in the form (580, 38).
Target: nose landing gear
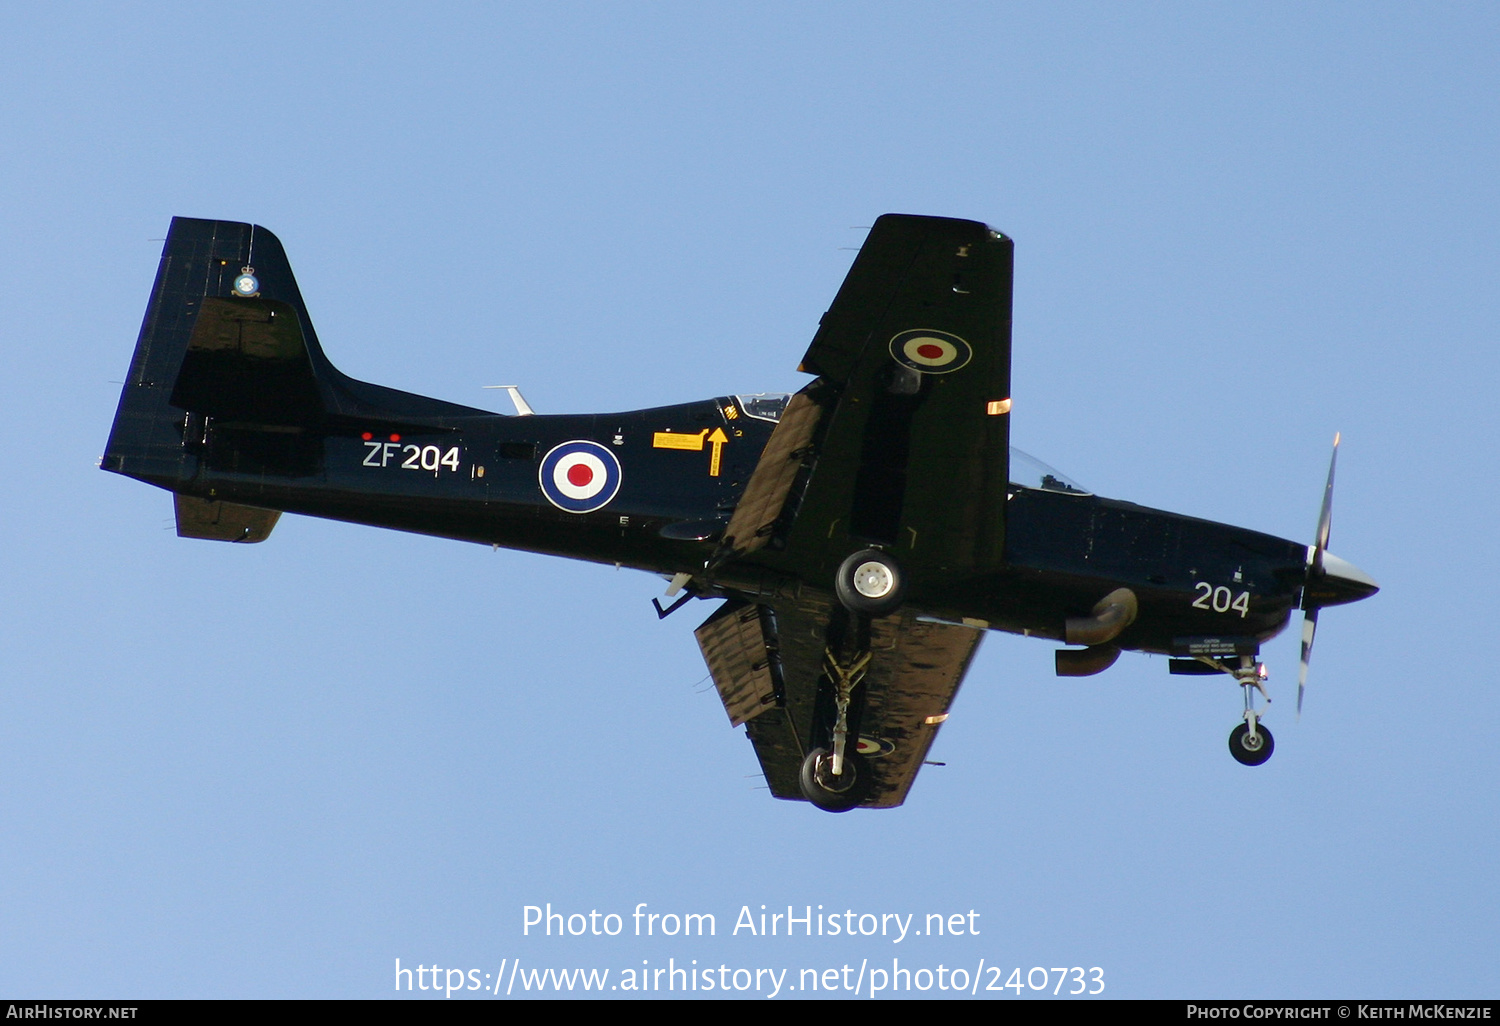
(1251, 749)
(1251, 743)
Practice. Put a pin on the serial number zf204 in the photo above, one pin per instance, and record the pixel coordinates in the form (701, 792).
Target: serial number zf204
(430, 458)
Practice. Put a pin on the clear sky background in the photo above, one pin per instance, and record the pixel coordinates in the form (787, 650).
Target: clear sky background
(271, 771)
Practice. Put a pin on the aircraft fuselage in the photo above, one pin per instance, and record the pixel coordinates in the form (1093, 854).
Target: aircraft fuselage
(681, 470)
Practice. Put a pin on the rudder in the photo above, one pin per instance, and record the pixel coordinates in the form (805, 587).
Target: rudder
(186, 367)
(228, 383)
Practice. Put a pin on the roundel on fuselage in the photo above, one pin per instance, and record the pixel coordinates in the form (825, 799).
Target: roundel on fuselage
(579, 476)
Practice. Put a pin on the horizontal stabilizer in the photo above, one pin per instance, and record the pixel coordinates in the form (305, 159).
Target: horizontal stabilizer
(223, 521)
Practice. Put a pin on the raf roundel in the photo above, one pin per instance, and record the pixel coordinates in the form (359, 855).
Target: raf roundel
(579, 476)
(929, 351)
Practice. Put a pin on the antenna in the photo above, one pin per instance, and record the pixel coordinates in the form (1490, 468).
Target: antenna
(523, 408)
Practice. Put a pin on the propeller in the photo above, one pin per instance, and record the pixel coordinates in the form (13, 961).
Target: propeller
(1315, 570)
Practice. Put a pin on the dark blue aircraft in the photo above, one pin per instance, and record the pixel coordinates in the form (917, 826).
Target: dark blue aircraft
(862, 535)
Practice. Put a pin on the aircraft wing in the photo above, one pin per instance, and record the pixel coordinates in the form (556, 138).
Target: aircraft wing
(768, 664)
(903, 440)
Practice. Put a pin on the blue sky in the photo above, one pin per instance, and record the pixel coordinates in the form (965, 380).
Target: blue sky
(271, 771)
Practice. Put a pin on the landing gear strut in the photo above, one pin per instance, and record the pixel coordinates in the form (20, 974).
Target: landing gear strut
(844, 680)
(1251, 743)
(838, 780)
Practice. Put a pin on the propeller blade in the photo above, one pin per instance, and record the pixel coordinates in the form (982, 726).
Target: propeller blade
(1309, 628)
(1325, 515)
(1315, 570)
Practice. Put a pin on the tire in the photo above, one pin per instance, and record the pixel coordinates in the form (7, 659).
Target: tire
(871, 582)
(830, 793)
(1251, 756)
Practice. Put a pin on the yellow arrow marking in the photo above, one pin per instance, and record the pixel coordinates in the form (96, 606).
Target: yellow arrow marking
(717, 440)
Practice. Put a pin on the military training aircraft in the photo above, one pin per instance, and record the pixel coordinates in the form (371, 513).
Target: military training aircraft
(863, 533)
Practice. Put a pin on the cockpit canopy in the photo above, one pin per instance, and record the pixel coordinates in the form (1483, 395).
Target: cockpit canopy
(1029, 472)
(763, 405)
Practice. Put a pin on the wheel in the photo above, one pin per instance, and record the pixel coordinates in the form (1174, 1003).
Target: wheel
(834, 793)
(1247, 752)
(871, 582)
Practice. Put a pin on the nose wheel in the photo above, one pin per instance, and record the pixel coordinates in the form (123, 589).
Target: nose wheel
(1251, 749)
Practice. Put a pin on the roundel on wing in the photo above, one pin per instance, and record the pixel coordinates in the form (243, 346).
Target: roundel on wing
(929, 351)
(579, 476)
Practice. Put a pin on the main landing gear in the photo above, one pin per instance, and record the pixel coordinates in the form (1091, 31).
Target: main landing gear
(830, 791)
(869, 584)
(838, 780)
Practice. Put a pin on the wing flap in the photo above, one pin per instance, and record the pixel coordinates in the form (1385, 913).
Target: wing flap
(740, 644)
(914, 673)
(916, 669)
(734, 644)
(770, 484)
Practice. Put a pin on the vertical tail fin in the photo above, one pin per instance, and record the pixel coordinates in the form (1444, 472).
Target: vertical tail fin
(187, 368)
(228, 375)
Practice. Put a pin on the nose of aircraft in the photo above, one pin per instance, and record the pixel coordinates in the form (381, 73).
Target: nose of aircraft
(1341, 582)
